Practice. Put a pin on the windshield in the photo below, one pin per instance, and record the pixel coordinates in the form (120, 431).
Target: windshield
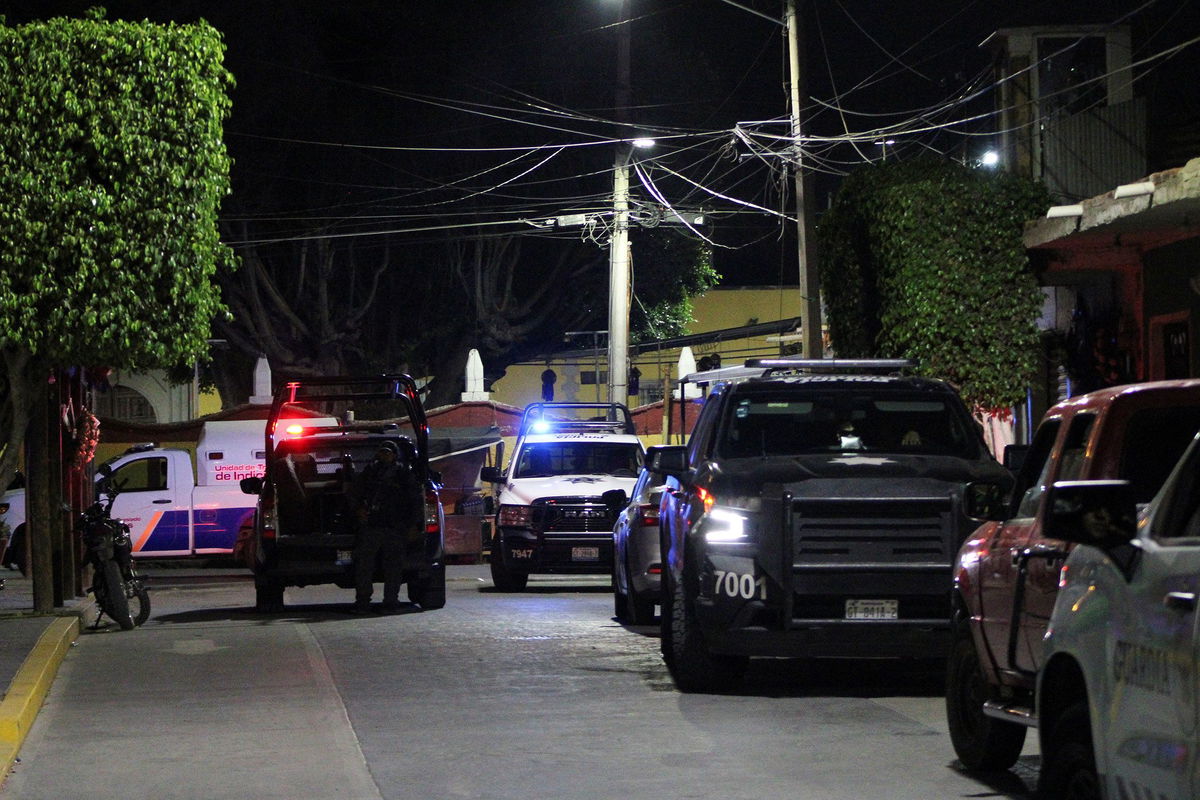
(546, 459)
(785, 423)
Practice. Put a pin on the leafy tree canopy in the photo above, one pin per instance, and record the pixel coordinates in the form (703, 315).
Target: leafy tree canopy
(112, 168)
(924, 260)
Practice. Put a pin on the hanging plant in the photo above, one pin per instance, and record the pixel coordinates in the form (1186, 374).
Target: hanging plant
(87, 436)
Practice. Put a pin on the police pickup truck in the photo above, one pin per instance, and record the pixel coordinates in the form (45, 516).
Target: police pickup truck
(322, 433)
(1117, 696)
(815, 512)
(551, 516)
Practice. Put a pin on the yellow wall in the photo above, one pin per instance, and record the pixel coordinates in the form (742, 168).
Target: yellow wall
(719, 309)
(209, 402)
(743, 305)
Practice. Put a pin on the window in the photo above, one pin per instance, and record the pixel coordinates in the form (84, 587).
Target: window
(1155, 438)
(1031, 482)
(772, 422)
(547, 459)
(143, 475)
(1075, 447)
(125, 404)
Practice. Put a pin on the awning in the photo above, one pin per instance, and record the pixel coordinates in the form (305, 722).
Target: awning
(450, 442)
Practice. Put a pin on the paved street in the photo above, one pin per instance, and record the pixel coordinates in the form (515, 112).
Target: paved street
(533, 695)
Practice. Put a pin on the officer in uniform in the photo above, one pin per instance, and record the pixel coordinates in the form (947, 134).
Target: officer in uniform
(386, 501)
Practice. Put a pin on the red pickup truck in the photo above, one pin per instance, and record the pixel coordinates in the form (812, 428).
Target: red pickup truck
(1007, 573)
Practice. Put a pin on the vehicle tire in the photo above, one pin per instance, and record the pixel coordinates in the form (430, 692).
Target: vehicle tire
(110, 594)
(982, 743)
(428, 589)
(504, 579)
(620, 599)
(639, 610)
(268, 596)
(139, 603)
(692, 666)
(1069, 769)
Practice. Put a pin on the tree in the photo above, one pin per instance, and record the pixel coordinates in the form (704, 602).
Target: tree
(924, 260)
(112, 168)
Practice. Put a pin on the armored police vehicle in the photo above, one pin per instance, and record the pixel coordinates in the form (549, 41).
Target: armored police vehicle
(815, 512)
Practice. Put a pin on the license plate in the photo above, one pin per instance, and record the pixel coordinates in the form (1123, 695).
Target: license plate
(872, 609)
(585, 553)
(345, 557)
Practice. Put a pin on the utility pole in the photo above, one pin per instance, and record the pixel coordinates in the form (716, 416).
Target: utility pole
(618, 253)
(810, 288)
(618, 282)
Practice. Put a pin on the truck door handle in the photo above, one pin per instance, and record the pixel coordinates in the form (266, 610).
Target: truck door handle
(163, 501)
(1180, 601)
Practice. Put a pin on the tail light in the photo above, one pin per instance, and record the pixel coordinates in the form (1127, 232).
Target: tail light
(432, 522)
(266, 510)
(649, 514)
(654, 569)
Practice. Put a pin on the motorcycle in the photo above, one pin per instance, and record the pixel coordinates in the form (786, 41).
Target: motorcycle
(119, 590)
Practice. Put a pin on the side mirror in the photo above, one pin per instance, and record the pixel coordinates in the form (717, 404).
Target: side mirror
(1014, 456)
(615, 500)
(252, 485)
(984, 501)
(491, 475)
(106, 470)
(669, 459)
(1102, 514)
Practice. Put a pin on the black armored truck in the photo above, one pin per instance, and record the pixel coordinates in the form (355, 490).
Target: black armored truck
(815, 511)
(321, 434)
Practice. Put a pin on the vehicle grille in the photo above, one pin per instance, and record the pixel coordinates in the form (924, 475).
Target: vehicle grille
(573, 514)
(876, 531)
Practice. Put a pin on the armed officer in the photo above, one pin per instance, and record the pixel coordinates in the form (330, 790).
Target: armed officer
(387, 502)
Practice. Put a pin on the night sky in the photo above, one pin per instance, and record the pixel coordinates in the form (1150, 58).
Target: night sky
(409, 115)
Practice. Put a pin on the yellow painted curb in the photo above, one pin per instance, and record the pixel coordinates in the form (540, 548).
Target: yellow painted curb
(28, 689)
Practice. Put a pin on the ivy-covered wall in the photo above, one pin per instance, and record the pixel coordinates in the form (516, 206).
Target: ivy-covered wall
(924, 260)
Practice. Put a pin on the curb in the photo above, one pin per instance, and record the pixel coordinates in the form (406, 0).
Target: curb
(28, 689)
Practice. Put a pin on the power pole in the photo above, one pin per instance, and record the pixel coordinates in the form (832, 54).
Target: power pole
(810, 288)
(618, 253)
(618, 283)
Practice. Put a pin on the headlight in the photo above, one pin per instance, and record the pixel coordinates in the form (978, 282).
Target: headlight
(515, 516)
(725, 525)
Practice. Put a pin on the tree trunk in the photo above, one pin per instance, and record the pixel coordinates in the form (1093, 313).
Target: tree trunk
(447, 387)
(37, 498)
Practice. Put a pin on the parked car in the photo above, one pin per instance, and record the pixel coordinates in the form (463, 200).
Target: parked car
(637, 552)
(1117, 694)
(1007, 574)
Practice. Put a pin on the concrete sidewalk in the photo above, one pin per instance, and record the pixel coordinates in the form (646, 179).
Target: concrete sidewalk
(31, 648)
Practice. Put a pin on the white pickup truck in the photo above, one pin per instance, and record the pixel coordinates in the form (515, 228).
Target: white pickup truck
(171, 509)
(551, 515)
(1117, 694)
